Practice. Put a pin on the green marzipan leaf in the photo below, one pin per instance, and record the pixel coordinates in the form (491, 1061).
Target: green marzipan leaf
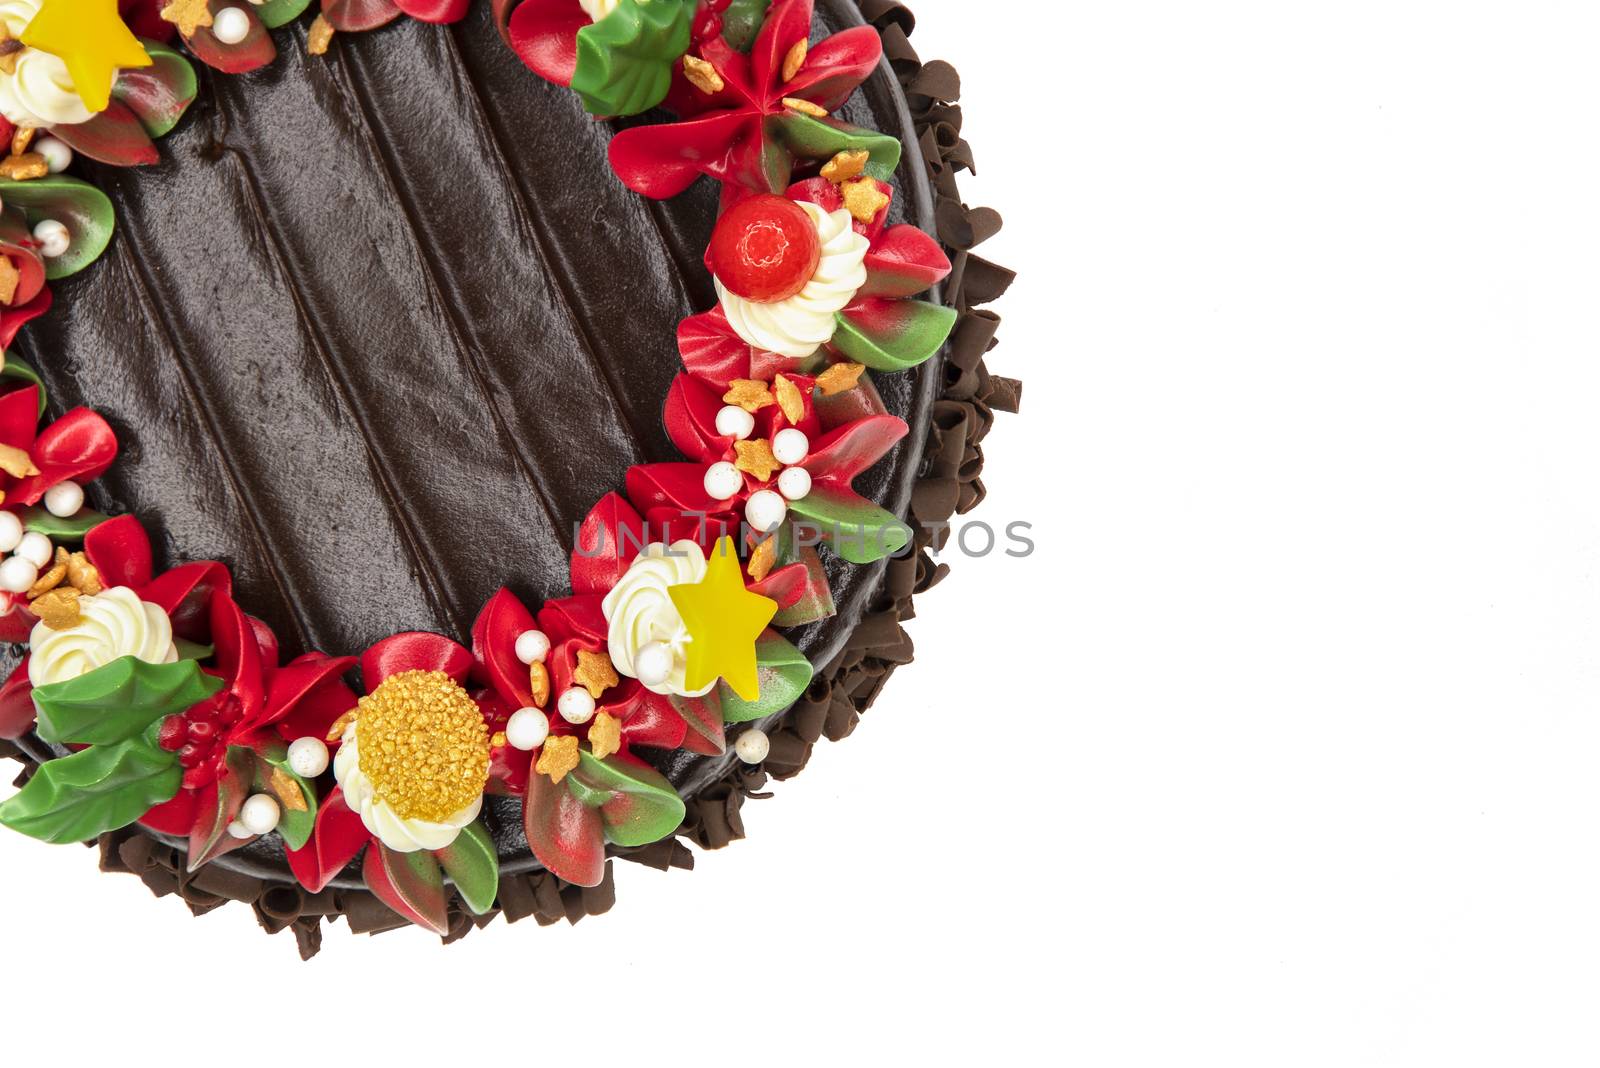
(625, 60)
(741, 22)
(20, 370)
(84, 210)
(637, 804)
(54, 527)
(277, 13)
(919, 331)
(294, 826)
(79, 797)
(784, 673)
(116, 702)
(473, 864)
(822, 139)
(854, 527)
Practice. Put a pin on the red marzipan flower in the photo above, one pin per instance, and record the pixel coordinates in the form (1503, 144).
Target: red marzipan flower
(79, 446)
(354, 16)
(737, 134)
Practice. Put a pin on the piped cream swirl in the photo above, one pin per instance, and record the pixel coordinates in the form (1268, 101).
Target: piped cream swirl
(797, 326)
(639, 611)
(111, 625)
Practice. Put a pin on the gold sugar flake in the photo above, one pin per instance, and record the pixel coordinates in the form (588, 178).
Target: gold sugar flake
(840, 378)
(424, 745)
(702, 75)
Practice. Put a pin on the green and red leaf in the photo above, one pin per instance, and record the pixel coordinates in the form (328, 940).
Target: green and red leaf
(252, 53)
(159, 94)
(409, 883)
(473, 865)
(114, 136)
(892, 335)
(219, 806)
(297, 819)
(637, 805)
(566, 835)
(85, 211)
(783, 672)
(854, 527)
(336, 838)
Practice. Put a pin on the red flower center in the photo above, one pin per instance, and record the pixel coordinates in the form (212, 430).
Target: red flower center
(766, 249)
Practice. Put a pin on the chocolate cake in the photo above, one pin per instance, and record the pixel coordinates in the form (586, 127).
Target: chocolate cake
(376, 332)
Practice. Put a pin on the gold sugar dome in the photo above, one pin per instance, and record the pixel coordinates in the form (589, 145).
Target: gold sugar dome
(423, 745)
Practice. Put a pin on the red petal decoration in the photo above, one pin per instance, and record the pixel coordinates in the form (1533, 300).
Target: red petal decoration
(409, 883)
(544, 34)
(14, 319)
(185, 592)
(252, 53)
(120, 550)
(115, 136)
(218, 806)
(903, 262)
(358, 16)
(267, 643)
(577, 618)
(16, 703)
(175, 817)
(494, 648)
(238, 659)
(788, 23)
(835, 66)
(308, 694)
(662, 161)
(680, 487)
(845, 453)
(711, 351)
(80, 446)
(414, 651)
(144, 19)
(19, 417)
(564, 833)
(612, 534)
(438, 12)
(691, 419)
(335, 841)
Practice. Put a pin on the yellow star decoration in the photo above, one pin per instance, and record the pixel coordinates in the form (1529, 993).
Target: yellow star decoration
(91, 39)
(724, 620)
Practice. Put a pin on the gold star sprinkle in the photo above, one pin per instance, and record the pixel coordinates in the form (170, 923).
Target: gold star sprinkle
(702, 75)
(188, 15)
(845, 166)
(539, 683)
(10, 278)
(762, 559)
(340, 725)
(595, 673)
(863, 199)
(795, 60)
(24, 167)
(840, 378)
(804, 107)
(748, 394)
(319, 36)
(16, 462)
(755, 458)
(559, 756)
(58, 609)
(288, 790)
(790, 398)
(82, 575)
(605, 735)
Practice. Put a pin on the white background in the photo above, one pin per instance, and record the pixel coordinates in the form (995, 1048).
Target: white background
(1281, 750)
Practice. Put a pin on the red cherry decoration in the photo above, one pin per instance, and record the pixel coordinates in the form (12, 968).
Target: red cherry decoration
(174, 732)
(765, 249)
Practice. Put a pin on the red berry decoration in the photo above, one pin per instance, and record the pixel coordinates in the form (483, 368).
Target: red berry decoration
(765, 249)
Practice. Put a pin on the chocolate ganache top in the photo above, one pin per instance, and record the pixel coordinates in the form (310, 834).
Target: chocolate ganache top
(383, 326)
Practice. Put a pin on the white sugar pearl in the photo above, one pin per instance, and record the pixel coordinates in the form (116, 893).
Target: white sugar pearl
(532, 647)
(794, 483)
(36, 549)
(260, 814)
(230, 25)
(753, 746)
(64, 499)
(17, 575)
(308, 757)
(723, 480)
(790, 446)
(54, 238)
(528, 728)
(653, 663)
(10, 531)
(576, 706)
(239, 830)
(765, 510)
(57, 155)
(734, 422)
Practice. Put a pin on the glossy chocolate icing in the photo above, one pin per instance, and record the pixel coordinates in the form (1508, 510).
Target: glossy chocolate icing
(383, 326)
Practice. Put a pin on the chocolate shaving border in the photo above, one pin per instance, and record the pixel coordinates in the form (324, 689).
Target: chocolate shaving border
(948, 485)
